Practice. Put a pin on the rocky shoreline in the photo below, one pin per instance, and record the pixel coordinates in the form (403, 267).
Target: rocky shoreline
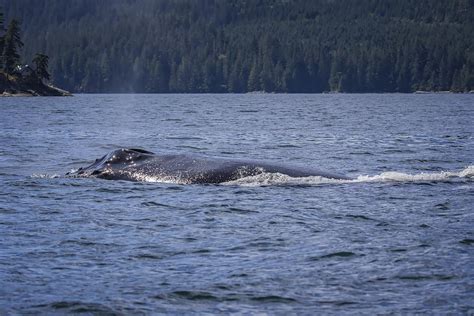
(17, 87)
(50, 91)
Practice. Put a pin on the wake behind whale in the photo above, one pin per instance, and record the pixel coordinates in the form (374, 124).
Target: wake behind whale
(269, 179)
(141, 165)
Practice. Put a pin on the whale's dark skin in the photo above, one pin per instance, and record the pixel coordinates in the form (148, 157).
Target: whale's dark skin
(139, 165)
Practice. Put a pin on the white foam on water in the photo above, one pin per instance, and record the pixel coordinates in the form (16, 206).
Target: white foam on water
(265, 179)
(45, 176)
(158, 179)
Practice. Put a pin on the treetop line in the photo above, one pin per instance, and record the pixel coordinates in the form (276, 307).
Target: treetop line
(219, 46)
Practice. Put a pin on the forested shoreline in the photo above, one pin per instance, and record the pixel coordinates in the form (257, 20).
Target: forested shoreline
(16, 77)
(200, 46)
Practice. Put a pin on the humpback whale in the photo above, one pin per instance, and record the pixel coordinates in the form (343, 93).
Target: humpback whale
(139, 165)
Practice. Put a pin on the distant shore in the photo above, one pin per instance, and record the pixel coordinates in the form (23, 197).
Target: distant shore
(263, 92)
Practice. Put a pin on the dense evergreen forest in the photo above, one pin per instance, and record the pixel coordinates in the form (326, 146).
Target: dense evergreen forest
(251, 45)
(16, 78)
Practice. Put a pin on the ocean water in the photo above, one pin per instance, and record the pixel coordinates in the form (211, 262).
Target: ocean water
(399, 238)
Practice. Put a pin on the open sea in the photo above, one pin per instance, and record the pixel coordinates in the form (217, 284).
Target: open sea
(398, 239)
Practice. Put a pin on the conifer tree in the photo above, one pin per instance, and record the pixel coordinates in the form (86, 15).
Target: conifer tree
(12, 43)
(1, 31)
(41, 66)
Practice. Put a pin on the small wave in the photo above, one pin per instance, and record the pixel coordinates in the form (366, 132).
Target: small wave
(74, 307)
(266, 179)
(45, 176)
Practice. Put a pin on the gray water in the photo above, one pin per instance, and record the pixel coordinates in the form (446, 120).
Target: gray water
(397, 239)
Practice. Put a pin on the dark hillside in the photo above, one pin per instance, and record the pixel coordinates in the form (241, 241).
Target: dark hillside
(240, 46)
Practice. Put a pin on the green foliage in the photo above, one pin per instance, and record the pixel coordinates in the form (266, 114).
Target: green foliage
(41, 66)
(11, 44)
(257, 45)
(2, 19)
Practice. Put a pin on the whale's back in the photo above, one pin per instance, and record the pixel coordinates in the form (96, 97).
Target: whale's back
(139, 165)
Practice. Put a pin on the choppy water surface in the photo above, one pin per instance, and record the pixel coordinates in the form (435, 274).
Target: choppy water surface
(399, 238)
